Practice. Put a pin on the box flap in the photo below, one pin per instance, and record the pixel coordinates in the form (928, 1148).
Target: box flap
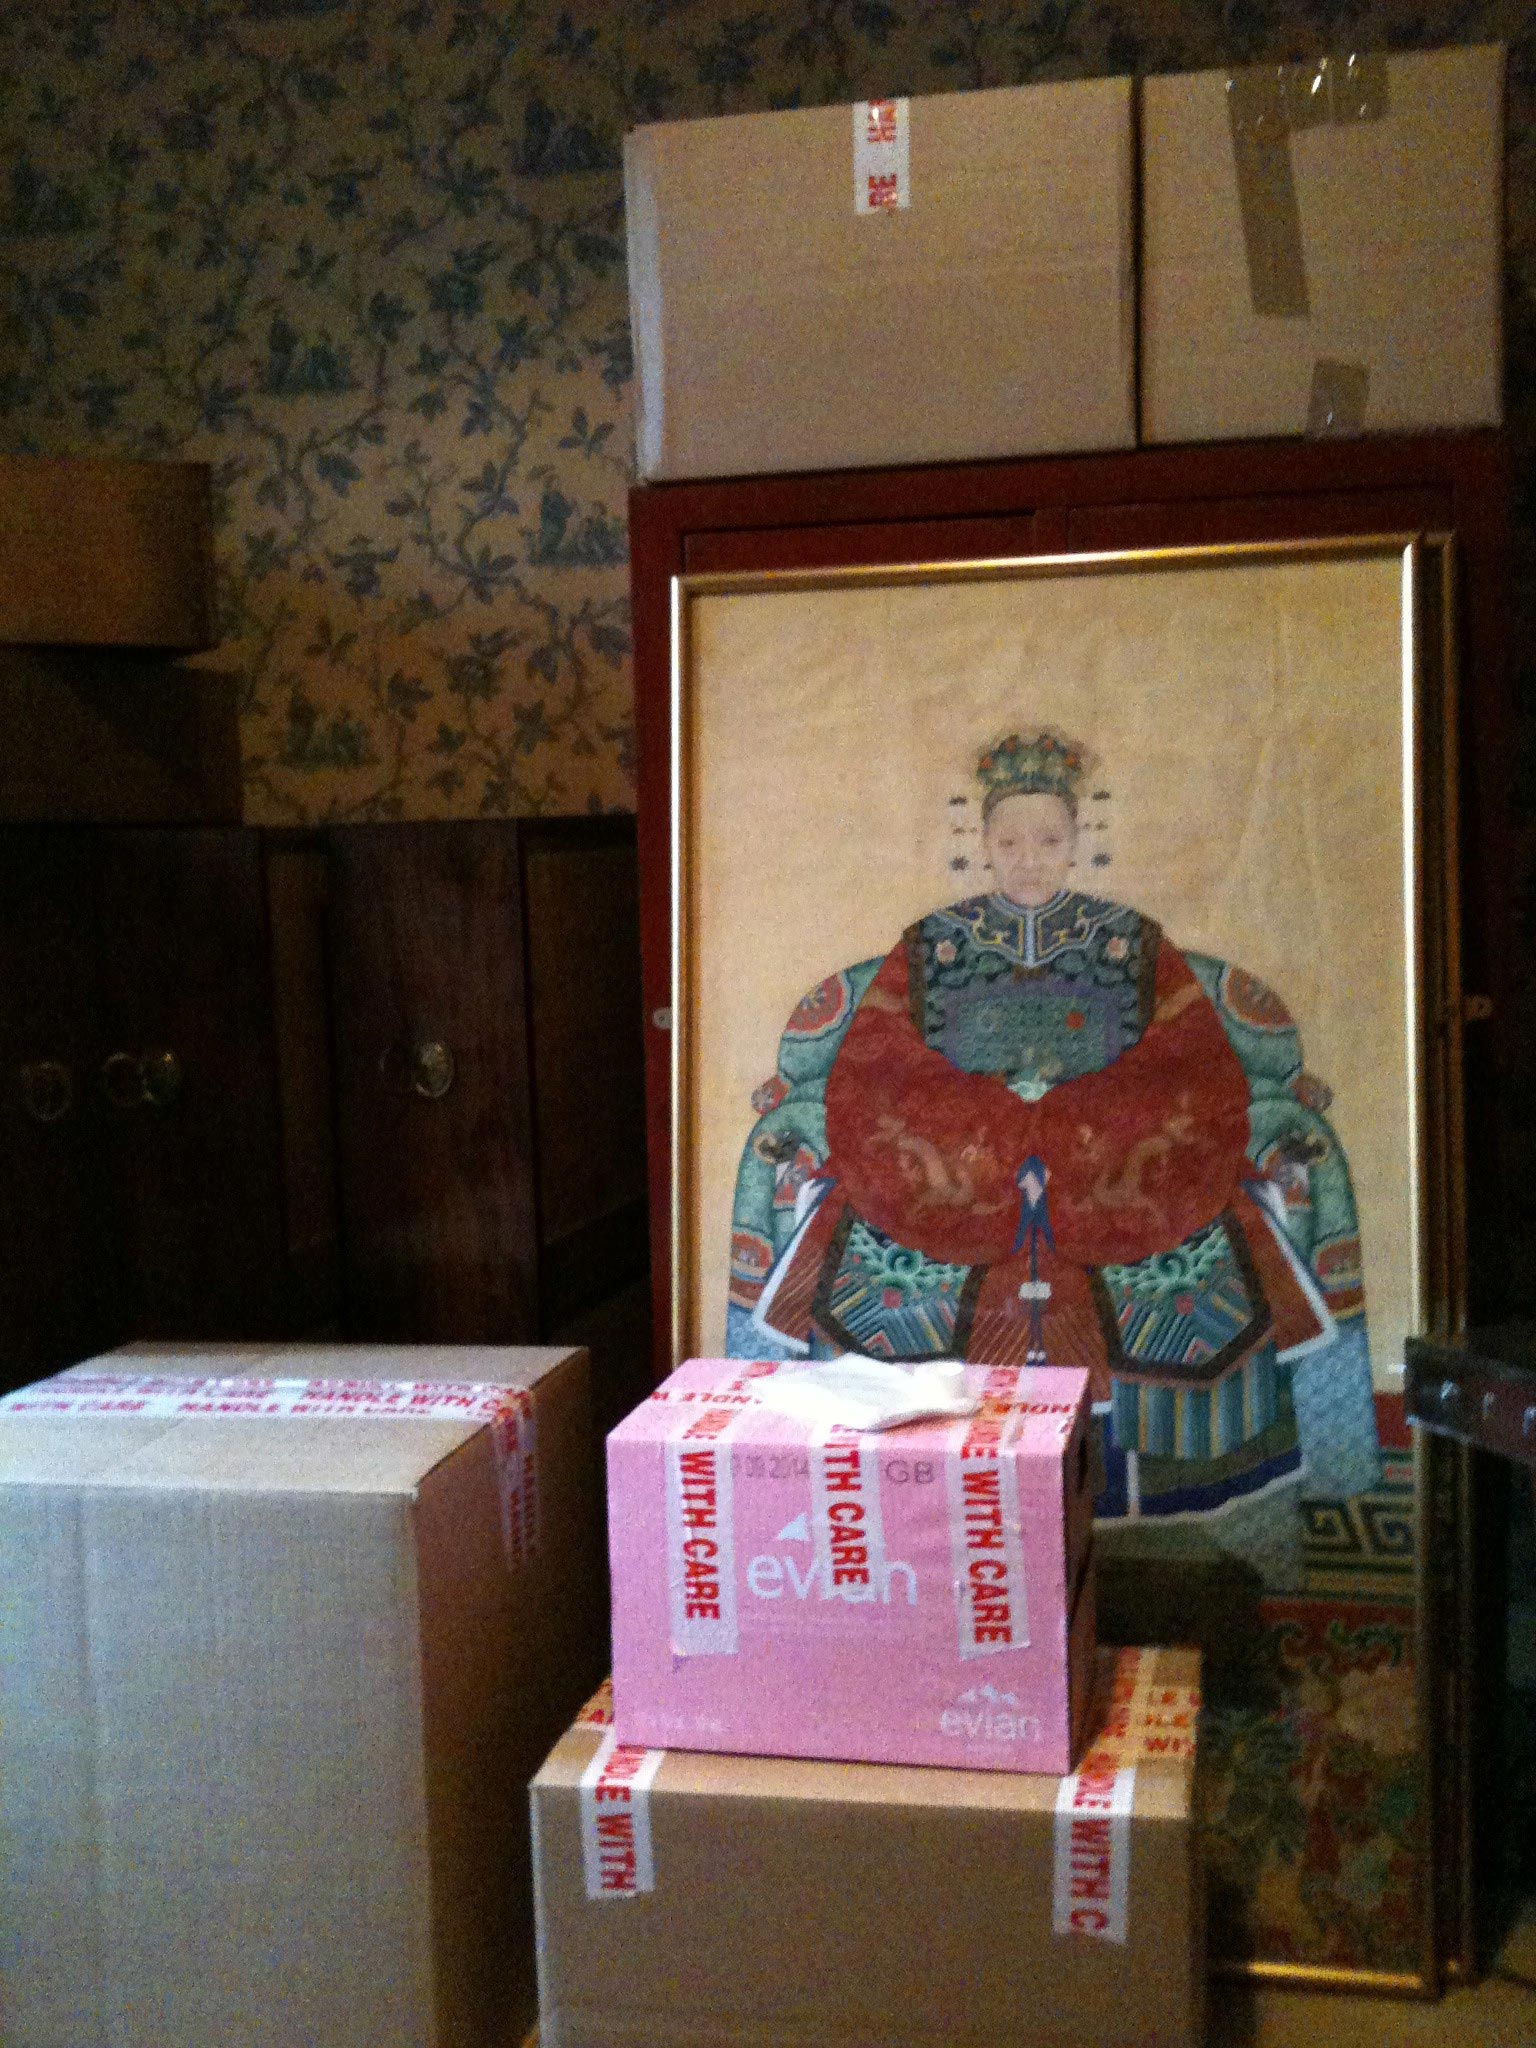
(503, 1365)
(505, 1656)
(1044, 1404)
(1020, 170)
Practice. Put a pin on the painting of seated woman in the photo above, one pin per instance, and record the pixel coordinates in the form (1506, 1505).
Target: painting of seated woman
(1038, 1130)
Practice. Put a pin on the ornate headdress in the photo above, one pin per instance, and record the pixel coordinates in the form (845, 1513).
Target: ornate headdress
(1032, 764)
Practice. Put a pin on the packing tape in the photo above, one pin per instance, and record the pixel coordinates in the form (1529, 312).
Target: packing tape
(701, 1535)
(882, 174)
(1137, 1718)
(1266, 105)
(735, 1393)
(1092, 1866)
(507, 1412)
(616, 1856)
(1266, 193)
(598, 1712)
(1337, 401)
(986, 1540)
(847, 1527)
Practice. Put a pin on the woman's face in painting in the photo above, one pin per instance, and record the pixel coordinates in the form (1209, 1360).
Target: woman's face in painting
(1030, 840)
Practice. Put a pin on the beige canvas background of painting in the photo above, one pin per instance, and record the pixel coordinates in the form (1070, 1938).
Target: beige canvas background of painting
(1248, 723)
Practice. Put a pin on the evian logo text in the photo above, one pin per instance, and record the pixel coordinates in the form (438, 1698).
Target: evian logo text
(847, 1562)
(985, 1713)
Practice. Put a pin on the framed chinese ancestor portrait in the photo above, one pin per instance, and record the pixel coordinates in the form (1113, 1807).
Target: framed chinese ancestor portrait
(1063, 949)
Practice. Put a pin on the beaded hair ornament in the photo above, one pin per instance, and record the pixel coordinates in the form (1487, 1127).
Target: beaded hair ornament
(1032, 764)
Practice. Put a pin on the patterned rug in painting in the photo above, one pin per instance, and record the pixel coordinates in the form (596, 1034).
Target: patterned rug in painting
(1310, 1790)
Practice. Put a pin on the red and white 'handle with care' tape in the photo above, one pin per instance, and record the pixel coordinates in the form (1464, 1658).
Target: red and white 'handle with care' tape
(168, 1397)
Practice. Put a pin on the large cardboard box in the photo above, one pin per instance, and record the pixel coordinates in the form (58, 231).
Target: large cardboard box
(733, 1901)
(984, 305)
(1322, 247)
(286, 1634)
(922, 1595)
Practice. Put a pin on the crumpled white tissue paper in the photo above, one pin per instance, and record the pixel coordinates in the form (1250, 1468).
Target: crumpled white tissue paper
(866, 1393)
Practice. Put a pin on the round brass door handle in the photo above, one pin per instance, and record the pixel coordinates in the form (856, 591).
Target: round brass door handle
(161, 1076)
(122, 1080)
(142, 1080)
(47, 1090)
(431, 1069)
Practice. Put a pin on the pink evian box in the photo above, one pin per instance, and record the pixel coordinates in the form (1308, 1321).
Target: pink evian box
(920, 1595)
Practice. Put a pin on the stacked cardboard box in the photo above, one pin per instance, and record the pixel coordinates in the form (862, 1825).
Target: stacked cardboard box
(287, 1633)
(788, 1594)
(692, 1897)
(955, 277)
(903, 281)
(1322, 247)
(922, 1596)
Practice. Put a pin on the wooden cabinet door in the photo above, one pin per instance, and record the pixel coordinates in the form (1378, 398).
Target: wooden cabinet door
(187, 1084)
(59, 1250)
(485, 990)
(148, 1171)
(434, 1132)
(582, 905)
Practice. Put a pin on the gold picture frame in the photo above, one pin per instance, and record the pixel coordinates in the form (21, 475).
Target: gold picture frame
(776, 743)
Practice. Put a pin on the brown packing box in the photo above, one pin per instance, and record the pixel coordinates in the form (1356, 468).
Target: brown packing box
(95, 736)
(818, 1905)
(97, 553)
(1322, 247)
(274, 1689)
(777, 329)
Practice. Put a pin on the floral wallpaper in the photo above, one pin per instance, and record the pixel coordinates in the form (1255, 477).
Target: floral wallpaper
(366, 258)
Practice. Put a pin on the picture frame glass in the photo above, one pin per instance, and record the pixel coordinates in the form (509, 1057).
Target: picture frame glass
(1055, 955)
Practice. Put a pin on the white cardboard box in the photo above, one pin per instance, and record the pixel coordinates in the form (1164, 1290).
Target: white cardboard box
(1322, 247)
(274, 1686)
(777, 327)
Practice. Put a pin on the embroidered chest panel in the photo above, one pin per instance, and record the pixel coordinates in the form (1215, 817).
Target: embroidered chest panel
(1035, 996)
